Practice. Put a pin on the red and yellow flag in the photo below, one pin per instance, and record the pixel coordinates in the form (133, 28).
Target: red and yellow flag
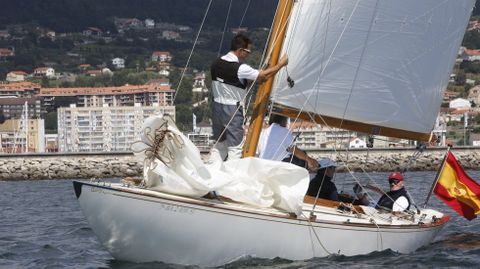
(457, 189)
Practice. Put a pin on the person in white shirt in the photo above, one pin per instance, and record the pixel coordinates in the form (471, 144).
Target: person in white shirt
(229, 82)
(277, 143)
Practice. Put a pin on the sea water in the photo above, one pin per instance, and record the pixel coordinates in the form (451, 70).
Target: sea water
(42, 226)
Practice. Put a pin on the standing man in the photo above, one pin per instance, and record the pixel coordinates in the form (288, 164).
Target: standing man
(229, 83)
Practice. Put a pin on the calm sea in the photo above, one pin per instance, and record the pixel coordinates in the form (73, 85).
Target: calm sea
(42, 226)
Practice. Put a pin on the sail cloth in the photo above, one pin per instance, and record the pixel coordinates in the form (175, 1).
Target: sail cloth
(378, 62)
(173, 164)
(457, 189)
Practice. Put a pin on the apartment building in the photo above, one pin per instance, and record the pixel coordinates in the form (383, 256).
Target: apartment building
(105, 128)
(146, 95)
(20, 135)
(19, 89)
(14, 107)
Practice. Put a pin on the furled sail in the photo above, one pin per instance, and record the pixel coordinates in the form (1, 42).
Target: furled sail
(383, 64)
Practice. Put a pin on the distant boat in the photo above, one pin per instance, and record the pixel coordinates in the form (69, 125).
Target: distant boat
(377, 67)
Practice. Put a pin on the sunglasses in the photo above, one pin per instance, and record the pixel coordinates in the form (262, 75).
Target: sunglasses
(247, 50)
(393, 181)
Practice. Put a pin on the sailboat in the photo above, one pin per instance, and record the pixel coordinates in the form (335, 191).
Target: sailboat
(377, 67)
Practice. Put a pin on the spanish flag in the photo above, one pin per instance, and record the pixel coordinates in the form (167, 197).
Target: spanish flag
(457, 189)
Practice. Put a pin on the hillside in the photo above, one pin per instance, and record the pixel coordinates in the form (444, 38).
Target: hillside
(76, 15)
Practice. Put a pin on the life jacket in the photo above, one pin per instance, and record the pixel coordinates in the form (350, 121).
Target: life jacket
(388, 199)
(227, 88)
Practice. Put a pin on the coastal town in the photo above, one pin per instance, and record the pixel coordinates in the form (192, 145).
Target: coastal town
(90, 91)
(239, 134)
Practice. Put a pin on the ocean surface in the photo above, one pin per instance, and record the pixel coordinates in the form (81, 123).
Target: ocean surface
(42, 226)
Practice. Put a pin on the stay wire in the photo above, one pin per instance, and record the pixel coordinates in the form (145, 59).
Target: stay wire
(244, 13)
(224, 28)
(191, 51)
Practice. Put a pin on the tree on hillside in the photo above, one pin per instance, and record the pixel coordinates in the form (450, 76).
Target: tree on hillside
(51, 122)
(45, 82)
(183, 100)
(471, 40)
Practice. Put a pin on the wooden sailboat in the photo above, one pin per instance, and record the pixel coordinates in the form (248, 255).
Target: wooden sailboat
(377, 67)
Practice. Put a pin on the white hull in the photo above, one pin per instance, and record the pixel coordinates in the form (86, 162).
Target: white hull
(142, 226)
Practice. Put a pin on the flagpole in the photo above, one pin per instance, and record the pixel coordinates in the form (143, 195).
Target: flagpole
(437, 177)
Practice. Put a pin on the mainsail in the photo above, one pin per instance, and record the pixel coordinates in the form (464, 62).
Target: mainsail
(376, 66)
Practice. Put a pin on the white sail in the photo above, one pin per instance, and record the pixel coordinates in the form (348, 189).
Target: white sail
(378, 62)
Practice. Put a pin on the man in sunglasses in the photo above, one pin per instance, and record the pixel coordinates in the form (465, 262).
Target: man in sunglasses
(396, 199)
(229, 83)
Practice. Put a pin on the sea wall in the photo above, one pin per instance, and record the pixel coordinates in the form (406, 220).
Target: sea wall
(69, 166)
(117, 165)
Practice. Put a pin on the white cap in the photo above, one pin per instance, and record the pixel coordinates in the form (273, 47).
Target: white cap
(324, 163)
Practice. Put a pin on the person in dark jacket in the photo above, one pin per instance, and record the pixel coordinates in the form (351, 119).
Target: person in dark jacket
(397, 199)
(322, 183)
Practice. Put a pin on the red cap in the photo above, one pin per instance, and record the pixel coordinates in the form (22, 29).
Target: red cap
(396, 175)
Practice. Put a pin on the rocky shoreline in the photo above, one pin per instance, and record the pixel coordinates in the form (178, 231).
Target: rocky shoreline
(119, 165)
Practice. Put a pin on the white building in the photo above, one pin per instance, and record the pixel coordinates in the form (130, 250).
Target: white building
(314, 136)
(471, 55)
(357, 143)
(93, 129)
(118, 63)
(170, 35)
(16, 76)
(161, 56)
(149, 23)
(164, 69)
(199, 83)
(44, 72)
(460, 103)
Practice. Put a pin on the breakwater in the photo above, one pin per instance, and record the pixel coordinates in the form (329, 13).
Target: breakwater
(125, 164)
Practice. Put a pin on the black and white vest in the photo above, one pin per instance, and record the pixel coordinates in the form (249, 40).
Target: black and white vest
(388, 199)
(227, 89)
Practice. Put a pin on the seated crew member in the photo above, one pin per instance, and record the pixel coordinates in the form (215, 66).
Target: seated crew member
(322, 183)
(397, 199)
(276, 141)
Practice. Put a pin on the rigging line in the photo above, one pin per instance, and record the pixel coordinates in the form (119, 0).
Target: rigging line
(339, 39)
(224, 28)
(318, 192)
(287, 48)
(244, 13)
(360, 63)
(262, 64)
(316, 235)
(276, 36)
(379, 234)
(329, 58)
(264, 54)
(325, 41)
(191, 52)
(327, 63)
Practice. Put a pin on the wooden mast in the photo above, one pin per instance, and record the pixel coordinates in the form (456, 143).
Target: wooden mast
(260, 107)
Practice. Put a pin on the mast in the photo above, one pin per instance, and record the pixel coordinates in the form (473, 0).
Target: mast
(260, 107)
(26, 125)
